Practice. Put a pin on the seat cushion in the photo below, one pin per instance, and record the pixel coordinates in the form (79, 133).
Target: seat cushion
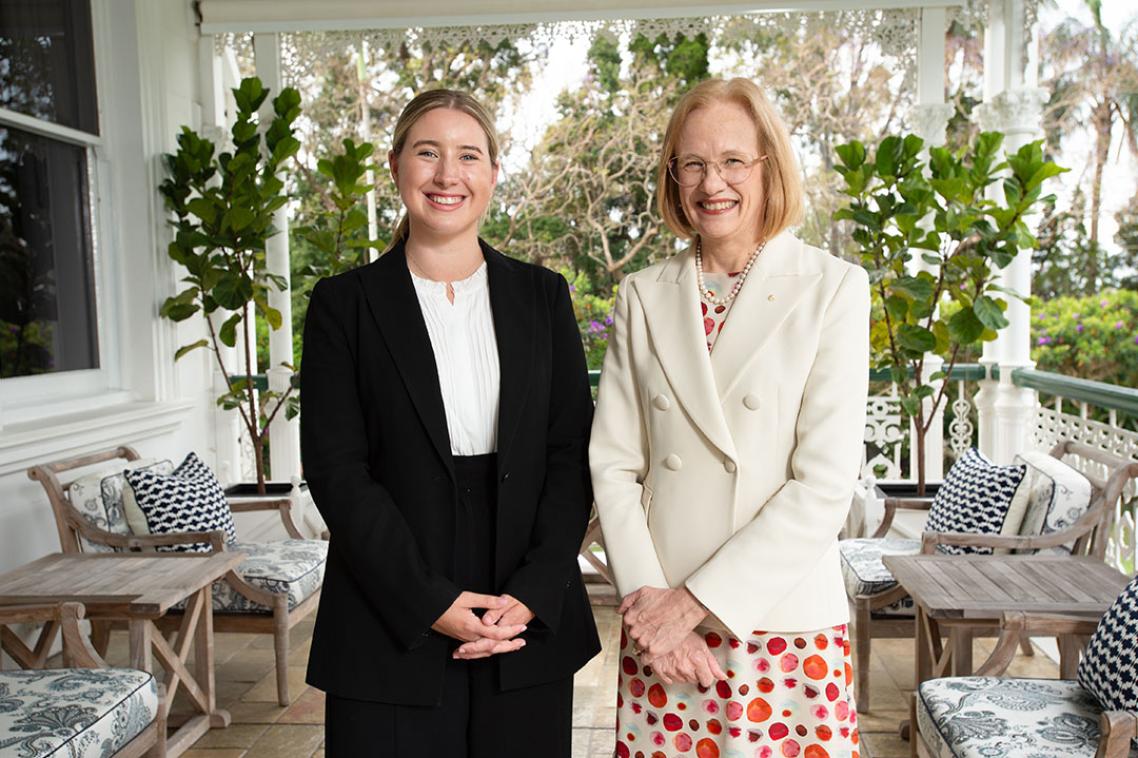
(99, 497)
(862, 569)
(190, 499)
(977, 497)
(980, 717)
(295, 567)
(1109, 668)
(74, 712)
(1057, 496)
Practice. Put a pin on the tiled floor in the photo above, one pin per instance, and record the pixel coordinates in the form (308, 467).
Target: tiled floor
(262, 729)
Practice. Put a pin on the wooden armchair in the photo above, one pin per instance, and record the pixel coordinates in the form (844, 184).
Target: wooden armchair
(277, 585)
(980, 703)
(878, 609)
(116, 709)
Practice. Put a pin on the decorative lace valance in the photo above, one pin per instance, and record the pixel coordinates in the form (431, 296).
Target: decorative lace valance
(894, 30)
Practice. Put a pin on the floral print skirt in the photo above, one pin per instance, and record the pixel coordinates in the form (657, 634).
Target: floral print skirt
(786, 695)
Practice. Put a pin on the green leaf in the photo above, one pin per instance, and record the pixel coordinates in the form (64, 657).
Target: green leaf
(915, 338)
(228, 332)
(989, 313)
(964, 327)
(916, 287)
(233, 291)
(852, 154)
(192, 346)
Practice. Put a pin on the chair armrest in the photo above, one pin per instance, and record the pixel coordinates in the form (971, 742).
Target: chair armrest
(76, 650)
(282, 505)
(894, 504)
(929, 540)
(215, 539)
(1117, 729)
(1015, 625)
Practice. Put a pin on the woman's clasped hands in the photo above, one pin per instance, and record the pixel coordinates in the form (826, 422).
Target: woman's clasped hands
(661, 624)
(495, 632)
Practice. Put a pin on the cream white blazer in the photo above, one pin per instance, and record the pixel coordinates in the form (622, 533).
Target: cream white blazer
(732, 473)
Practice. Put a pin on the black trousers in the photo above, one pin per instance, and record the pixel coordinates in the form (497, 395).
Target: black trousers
(475, 718)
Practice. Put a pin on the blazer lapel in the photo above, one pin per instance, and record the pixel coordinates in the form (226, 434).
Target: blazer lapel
(513, 307)
(671, 309)
(395, 307)
(778, 280)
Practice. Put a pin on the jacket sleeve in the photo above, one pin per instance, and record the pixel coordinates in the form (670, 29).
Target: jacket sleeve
(563, 510)
(367, 528)
(799, 523)
(618, 457)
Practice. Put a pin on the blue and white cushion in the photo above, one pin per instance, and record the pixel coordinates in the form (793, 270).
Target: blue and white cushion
(985, 717)
(73, 713)
(1057, 495)
(188, 500)
(977, 498)
(1109, 669)
(99, 498)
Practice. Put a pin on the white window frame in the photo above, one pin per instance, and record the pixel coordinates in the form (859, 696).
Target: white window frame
(26, 399)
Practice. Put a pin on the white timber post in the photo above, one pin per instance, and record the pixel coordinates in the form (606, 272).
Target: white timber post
(929, 121)
(284, 434)
(1013, 104)
(215, 127)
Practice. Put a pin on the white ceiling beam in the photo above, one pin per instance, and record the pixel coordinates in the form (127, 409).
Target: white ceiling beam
(220, 16)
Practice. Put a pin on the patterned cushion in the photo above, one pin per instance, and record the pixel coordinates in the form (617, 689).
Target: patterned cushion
(188, 500)
(981, 717)
(865, 574)
(977, 498)
(74, 712)
(1109, 669)
(295, 567)
(99, 498)
(1058, 496)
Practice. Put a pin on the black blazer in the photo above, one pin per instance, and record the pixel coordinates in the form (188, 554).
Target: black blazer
(377, 458)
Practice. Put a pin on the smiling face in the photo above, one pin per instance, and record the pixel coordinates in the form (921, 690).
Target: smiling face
(444, 174)
(722, 131)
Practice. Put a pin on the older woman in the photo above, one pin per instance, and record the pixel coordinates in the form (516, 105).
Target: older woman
(725, 447)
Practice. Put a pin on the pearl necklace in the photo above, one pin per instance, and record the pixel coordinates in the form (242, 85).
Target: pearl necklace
(706, 293)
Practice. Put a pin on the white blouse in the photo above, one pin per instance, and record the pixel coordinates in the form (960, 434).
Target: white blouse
(466, 356)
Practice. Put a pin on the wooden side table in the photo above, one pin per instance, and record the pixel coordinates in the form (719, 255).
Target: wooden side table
(963, 594)
(141, 588)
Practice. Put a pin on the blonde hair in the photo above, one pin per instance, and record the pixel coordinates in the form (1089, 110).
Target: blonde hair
(782, 183)
(428, 101)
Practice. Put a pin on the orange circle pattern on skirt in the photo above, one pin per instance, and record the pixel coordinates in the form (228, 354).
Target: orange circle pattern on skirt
(786, 696)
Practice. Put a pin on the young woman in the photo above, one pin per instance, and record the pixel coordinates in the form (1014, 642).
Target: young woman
(726, 444)
(444, 435)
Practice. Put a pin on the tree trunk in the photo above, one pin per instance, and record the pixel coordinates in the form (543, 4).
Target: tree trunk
(1102, 121)
(920, 443)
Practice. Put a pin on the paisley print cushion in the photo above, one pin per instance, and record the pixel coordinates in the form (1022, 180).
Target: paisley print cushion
(73, 712)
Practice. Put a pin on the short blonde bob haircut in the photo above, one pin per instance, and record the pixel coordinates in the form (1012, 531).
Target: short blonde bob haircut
(782, 183)
(426, 102)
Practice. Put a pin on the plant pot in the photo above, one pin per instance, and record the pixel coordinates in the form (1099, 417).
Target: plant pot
(868, 507)
(272, 489)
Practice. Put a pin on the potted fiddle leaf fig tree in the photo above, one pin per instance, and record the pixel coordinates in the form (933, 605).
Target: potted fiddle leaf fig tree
(223, 205)
(933, 237)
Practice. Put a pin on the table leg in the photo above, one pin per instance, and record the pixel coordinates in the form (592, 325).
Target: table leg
(1069, 649)
(961, 641)
(203, 659)
(141, 636)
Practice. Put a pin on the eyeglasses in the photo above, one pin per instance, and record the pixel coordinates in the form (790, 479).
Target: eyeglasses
(690, 170)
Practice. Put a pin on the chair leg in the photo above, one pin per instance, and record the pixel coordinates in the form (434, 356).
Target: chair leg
(862, 642)
(100, 636)
(280, 647)
(1025, 645)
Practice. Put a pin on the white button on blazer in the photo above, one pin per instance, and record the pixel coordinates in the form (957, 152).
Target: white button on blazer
(767, 429)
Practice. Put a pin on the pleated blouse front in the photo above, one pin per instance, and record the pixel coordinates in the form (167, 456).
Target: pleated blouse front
(466, 356)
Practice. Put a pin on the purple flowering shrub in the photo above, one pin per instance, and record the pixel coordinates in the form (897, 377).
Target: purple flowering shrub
(594, 316)
(1093, 337)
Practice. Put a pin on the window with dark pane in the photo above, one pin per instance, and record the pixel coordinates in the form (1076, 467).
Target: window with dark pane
(47, 294)
(47, 63)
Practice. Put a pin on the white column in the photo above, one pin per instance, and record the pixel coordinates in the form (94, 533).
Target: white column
(284, 435)
(929, 121)
(1012, 105)
(214, 126)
